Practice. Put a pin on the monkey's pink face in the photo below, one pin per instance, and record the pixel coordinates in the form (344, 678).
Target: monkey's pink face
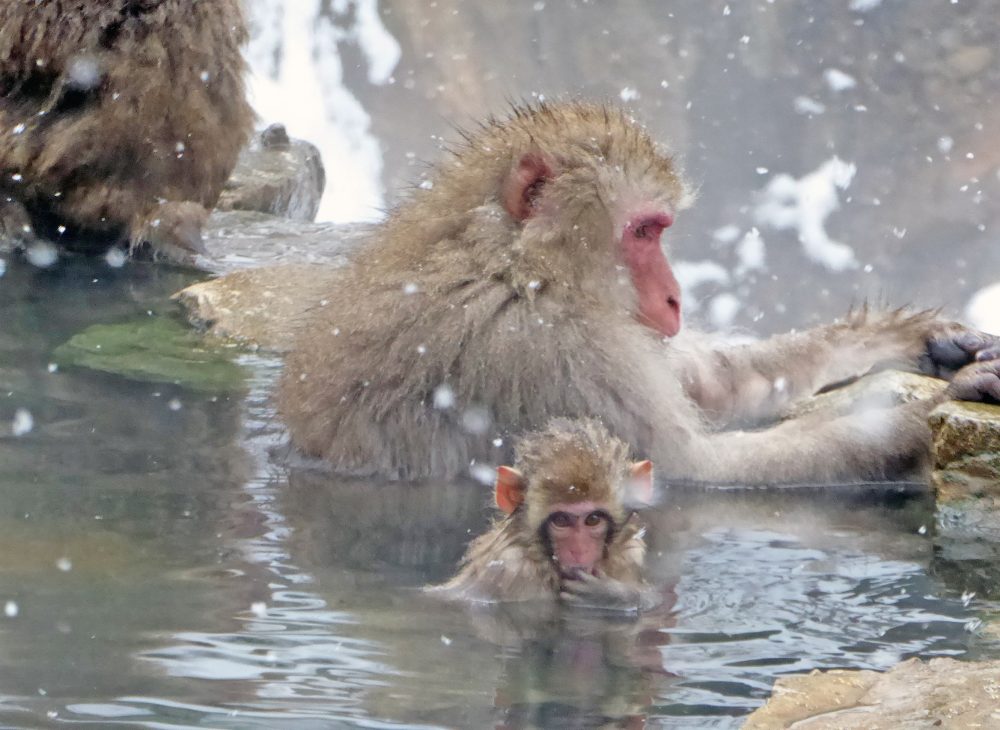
(659, 294)
(578, 532)
(641, 222)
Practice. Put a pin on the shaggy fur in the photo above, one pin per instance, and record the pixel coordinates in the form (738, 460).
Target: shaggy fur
(110, 107)
(534, 319)
(570, 461)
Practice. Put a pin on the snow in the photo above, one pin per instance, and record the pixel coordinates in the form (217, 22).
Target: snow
(983, 310)
(301, 84)
(726, 234)
(722, 310)
(751, 252)
(805, 105)
(23, 422)
(42, 254)
(804, 204)
(863, 6)
(691, 274)
(483, 473)
(115, 257)
(83, 72)
(837, 80)
(444, 397)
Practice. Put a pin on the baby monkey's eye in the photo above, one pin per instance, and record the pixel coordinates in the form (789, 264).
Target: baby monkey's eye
(562, 519)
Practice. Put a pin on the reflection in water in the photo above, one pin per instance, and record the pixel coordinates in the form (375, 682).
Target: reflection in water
(168, 570)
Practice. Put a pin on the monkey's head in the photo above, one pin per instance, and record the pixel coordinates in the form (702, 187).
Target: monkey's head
(569, 490)
(577, 197)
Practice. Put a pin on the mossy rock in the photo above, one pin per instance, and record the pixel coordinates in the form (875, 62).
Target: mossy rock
(156, 350)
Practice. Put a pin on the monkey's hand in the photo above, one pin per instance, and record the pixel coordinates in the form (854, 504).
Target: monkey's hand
(584, 590)
(979, 381)
(951, 346)
(172, 229)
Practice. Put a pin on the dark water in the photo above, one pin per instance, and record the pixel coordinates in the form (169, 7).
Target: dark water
(158, 568)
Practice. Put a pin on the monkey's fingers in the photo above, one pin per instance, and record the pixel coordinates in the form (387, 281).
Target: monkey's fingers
(979, 382)
(582, 590)
(954, 347)
(990, 353)
(599, 592)
(581, 599)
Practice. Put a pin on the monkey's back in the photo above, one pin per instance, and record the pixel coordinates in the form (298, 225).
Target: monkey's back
(423, 384)
(108, 107)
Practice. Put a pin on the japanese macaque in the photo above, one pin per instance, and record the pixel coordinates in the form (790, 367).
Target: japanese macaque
(528, 280)
(566, 531)
(120, 120)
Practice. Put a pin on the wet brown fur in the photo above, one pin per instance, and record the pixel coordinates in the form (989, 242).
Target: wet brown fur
(569, 461)
(99, 160)
(534, 319)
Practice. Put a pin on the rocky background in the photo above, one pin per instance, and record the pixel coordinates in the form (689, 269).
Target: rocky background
(842, 150)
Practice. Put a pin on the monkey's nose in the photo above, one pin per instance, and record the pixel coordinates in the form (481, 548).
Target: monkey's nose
(673, 323)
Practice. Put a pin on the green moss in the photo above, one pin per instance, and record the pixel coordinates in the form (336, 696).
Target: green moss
(158, 350)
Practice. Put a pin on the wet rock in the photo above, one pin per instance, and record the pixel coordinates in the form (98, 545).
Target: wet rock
(889, 387)
(966, 452)
(941, 693)
(966, 483)
(262, 305)
(256, 307)
(242, 239)
(276, 175)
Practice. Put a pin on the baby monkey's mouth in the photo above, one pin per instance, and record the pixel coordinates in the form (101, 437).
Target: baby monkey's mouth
(573, 572)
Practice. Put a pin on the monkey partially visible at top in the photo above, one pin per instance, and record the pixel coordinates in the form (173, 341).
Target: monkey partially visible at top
(566, 532)
(528, 280)
(120, 120)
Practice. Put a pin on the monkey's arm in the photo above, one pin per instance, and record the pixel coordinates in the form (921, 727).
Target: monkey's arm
(874, 444)
(751, 383)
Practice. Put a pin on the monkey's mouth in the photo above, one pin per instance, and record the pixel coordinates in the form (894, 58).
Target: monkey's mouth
(567, 572)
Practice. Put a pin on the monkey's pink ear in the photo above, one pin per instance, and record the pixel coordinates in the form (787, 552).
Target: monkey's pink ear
(509, 489)
(640, 486)
(524, 183)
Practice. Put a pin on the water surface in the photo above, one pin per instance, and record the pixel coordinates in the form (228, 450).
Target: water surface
(160, 567)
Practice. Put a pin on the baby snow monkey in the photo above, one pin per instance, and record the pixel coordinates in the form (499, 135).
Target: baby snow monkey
(567, 532)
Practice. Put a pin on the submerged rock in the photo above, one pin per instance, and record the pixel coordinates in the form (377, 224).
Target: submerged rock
(941, 693)
(158, 350)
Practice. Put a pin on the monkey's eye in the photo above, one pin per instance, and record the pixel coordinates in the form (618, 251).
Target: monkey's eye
(562, 519)
(594, 519)
(640, 231)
